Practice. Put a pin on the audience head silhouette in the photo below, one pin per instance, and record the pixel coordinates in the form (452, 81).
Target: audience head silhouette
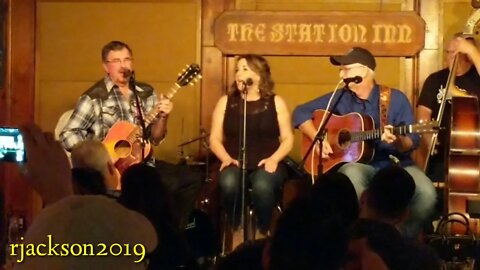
(88, 181)
(93, 154)
(308, 236)
(388, 195)
(335, 190)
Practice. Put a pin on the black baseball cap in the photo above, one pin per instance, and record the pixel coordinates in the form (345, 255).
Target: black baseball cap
(355, 55)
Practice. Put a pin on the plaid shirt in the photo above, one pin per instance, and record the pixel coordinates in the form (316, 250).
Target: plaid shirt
(100, 107)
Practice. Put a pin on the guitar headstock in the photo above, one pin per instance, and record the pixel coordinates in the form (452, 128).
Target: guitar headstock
(189, 75)
(426, 127)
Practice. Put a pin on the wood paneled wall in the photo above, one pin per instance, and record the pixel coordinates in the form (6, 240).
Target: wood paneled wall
(22, 99)
(17, 96)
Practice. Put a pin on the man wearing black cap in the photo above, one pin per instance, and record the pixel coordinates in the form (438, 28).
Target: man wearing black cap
(365, 98)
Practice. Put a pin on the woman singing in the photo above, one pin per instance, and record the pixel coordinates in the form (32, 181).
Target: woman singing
(269, 139)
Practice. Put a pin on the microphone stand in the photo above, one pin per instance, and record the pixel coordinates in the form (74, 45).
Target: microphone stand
(320, 136)
(247, 235)
(131, 85)
(205, 144)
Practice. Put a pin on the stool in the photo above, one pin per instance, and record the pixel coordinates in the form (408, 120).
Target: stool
(227, 230)
(295, 185)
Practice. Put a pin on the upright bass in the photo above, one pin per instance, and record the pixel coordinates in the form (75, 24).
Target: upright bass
(462, 169)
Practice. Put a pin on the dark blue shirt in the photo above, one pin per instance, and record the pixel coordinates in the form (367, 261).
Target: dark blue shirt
(399, 113)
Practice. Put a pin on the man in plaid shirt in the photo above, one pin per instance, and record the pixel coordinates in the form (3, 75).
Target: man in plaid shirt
(110, 100)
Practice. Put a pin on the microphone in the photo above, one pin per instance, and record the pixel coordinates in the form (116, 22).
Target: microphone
(131, 79)
(247, 82)
(356, 79)
(127, 72)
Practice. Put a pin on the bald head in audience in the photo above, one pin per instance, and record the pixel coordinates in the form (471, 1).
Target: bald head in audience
(93, 154)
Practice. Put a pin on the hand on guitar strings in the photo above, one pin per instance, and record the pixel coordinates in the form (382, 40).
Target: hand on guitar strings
(326, 149)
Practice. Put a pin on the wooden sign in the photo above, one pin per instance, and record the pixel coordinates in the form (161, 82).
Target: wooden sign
(400, 33)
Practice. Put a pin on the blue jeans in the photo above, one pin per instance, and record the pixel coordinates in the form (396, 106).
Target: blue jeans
(421, 205)
(265, 188)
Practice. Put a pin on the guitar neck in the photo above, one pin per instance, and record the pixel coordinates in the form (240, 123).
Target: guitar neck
(152, 114)
(376, 134)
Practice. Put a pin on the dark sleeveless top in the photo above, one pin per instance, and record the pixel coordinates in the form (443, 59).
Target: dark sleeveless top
(263, 133)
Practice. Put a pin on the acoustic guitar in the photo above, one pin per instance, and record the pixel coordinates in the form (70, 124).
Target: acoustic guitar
(124, 139)
(348, 135)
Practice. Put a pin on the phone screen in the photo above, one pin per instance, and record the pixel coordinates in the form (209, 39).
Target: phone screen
(12, 148)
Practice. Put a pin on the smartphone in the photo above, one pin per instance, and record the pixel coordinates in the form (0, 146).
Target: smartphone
(12, 148)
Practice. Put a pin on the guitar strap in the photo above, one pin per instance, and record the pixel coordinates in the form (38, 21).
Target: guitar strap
(385, 93)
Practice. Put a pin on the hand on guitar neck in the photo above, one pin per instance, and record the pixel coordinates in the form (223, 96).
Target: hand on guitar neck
(402, 143)
(159, 128)
(387, 135)
(164, 105)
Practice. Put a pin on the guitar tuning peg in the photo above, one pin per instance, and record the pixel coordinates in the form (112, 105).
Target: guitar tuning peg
(199, 76)
(179, 74)
(191, 83)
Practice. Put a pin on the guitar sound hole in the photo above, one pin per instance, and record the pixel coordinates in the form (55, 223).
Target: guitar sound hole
(123, 148)
(344, 139)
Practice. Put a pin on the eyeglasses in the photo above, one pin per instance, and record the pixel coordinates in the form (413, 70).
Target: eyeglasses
(118, 61)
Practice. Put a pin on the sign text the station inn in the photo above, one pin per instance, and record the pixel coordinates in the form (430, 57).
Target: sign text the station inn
(325, 33)
(319, 33)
